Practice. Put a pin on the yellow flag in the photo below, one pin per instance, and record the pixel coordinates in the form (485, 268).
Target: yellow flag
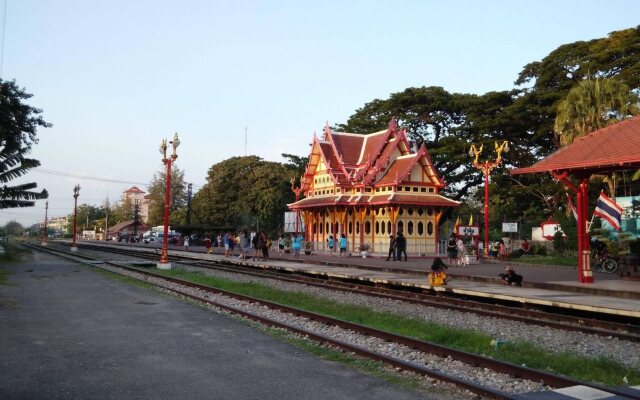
(471, 220)
(457, 224)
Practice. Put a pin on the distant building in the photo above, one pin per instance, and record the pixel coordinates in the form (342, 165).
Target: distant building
(56, 224)
(127, 228)
(369, 187)
(134, 194)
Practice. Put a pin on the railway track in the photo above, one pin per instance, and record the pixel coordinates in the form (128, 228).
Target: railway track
(628, 331)
(212, 296)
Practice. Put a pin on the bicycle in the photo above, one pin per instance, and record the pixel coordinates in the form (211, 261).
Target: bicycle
(602, 263)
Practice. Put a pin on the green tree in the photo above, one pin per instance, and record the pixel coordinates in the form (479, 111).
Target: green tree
(245, 192)
(89, 218)
(546, 82)
(13, 228)
(177, 199)
(18, 126)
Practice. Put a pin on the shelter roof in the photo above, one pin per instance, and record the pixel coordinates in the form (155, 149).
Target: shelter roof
(134, 189)
(375, 199)
(611, 148)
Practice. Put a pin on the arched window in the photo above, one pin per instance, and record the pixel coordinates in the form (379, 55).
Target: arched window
(321, 225)
(315, 228)
(377, 227)
(357, 227)
(367, 227)
(337, 228)
(410, 211)
(389, 227)
(420, 228)
(350, 227)
(383, 227)
(430, 228)
(429, 211)
(400, 227)
(420, 211)
(410, 228)
(327, 228)
(400, 211)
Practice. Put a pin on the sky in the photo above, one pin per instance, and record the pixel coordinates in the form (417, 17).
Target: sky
(116, 77)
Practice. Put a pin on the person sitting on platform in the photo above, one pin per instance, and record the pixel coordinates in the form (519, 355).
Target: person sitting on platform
(437, 276)
(525, 247)
(510, 277)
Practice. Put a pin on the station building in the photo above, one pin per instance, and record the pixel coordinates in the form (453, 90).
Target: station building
(369, 187)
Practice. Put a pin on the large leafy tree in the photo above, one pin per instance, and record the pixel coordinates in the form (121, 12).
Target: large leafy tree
(177, 197)
(245, 192)
(89, 218)
(18, 125)
(548, 81)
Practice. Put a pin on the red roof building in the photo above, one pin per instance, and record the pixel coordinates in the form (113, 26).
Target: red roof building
(369, 187)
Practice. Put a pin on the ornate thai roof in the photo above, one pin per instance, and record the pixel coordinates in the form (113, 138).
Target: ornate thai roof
(380, 159)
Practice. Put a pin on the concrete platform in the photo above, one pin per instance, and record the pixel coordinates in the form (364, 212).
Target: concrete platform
(543, 285)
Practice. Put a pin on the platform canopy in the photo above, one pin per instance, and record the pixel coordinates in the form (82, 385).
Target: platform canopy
(615, 147)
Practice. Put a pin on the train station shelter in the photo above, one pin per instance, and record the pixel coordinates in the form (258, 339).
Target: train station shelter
(369, 187)
(610, 149)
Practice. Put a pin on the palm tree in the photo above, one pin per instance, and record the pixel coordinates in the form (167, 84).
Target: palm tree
(13, 165)
(592, 105)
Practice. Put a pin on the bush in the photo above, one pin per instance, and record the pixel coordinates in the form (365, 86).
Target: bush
(539, 249)
(634, 246)
(559, 243)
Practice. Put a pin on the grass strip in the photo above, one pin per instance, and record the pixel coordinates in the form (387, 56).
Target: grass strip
(601, 369)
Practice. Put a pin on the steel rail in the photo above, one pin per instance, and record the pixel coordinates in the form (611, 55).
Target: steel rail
(532, 317)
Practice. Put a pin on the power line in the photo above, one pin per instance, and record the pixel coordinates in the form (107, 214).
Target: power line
(86, 177)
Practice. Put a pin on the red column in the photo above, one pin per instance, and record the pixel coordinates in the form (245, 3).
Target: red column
(584, 247)
(486, 208)
(164, 257)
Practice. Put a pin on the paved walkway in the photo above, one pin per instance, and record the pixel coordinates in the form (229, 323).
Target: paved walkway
(68, 332)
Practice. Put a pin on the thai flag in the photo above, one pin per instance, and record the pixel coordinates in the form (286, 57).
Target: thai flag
(573, 207)
(609, 211)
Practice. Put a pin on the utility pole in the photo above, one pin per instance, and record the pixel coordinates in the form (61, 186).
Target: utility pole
(106, 221)
(189, 192)
(136, 213)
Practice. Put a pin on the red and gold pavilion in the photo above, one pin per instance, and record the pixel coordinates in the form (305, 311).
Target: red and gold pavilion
(369, 187)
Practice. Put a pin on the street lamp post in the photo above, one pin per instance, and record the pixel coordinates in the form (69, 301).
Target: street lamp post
(164, 257)
(76, 193)
(45, 239)
(486, 168)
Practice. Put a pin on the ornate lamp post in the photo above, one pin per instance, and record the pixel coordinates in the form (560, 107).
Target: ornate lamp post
(45, 239)
(486, 168)
(164, 257)
(76, 193)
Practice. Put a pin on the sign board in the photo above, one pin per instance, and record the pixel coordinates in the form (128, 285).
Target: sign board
(549, 229)
(290, 222)
(469, 230)
(510, 227)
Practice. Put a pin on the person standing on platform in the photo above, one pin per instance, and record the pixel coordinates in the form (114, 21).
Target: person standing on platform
(461, 251)
(281, 244)
(502, 250)
(256, 242)
(392, 248)
(343, 245)
(207, 244)
(186, 243)
(297, 245)
(245, 245)
(452, 250)
(331, 243)
(401, 246)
